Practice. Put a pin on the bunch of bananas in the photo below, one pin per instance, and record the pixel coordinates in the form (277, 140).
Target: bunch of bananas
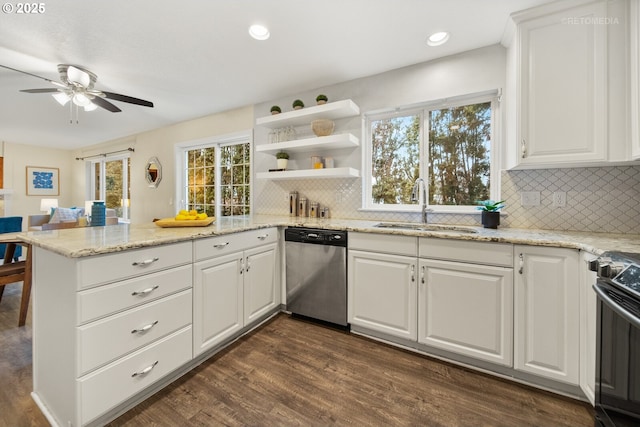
(185, 215)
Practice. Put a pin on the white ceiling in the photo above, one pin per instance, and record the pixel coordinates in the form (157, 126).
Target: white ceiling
(194, 58)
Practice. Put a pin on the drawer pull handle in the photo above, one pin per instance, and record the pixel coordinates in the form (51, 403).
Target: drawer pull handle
(145, 292)
(221, 245)
(145, 371)
(144, 328)
(264, 236)
(145, 262)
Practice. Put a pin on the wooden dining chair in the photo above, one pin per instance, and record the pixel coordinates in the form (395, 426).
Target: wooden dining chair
(17, 271)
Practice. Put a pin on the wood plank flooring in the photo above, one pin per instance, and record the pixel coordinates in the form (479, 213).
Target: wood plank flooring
(295, 373)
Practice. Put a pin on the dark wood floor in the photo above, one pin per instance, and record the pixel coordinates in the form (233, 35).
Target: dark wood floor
(293, 373)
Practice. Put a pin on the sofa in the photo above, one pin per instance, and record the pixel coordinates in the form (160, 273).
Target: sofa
(65, 218)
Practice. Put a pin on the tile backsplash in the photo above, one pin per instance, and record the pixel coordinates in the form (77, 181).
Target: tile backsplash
(602, 199)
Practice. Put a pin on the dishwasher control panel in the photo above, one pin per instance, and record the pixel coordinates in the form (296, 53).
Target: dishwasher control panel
(317, 236)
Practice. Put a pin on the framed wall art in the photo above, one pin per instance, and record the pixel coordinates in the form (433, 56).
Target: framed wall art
(43, 181)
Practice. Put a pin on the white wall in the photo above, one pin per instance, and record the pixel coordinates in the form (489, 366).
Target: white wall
(16, 158)
(149, 203)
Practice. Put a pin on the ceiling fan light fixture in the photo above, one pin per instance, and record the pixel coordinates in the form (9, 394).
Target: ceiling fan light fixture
(259, 32)
(78, 76)
(90, 107)
(61, 97)
(81, 100)
(437, 39)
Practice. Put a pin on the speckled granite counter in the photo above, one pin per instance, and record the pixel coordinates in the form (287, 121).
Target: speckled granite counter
(80, 242)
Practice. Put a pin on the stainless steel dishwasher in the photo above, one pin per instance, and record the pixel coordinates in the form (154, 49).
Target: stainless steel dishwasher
(317, 273)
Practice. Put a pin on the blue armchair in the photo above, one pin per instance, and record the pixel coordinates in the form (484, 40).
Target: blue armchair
(11, 224)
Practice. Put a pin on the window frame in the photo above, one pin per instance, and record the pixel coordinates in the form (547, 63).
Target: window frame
(180, 150)
(423, 109)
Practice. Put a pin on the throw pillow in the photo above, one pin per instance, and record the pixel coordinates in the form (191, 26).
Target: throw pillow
(64, 215)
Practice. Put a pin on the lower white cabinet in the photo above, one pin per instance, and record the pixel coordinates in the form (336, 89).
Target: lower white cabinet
(382, 293)
(588, 313)
(547, 329)
(232, 290)
(467, 309)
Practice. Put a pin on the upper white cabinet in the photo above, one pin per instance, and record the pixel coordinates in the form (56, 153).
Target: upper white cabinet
(567, 86)
(634, 31)
(332, 111)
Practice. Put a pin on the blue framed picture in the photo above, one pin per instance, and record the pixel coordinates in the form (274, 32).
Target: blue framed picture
(43, 181)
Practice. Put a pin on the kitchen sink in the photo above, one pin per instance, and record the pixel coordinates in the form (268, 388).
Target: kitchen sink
(426, 227)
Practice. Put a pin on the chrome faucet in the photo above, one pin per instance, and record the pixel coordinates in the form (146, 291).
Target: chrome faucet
(420, 190)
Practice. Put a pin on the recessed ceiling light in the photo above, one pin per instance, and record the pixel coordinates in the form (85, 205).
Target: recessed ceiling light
(259, 32)
(436, 39)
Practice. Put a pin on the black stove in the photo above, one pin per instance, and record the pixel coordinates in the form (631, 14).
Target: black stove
(618, 340)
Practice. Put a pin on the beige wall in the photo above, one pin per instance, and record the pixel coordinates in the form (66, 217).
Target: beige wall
(16, 158)
(149, 203)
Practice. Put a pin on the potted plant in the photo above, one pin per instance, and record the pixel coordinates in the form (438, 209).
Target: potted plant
(321, 99)
(275, 110)
(282, 159)
(490, 212)
(298, 104)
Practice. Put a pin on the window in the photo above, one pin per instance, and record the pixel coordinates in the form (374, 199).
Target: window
(110, 182)
(217, 177)
(448, 145)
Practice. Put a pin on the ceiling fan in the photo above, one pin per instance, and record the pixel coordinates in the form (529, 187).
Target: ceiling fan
(77, 86)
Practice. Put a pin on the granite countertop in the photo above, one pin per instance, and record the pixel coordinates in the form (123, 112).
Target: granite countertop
(87, 241)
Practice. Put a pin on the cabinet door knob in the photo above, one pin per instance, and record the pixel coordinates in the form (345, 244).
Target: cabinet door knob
(263, 236)
(422, 275)
(413, 273)
(221, 245)
(524, 148)
(521, 269)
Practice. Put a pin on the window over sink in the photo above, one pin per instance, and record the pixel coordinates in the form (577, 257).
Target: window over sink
(450, 144)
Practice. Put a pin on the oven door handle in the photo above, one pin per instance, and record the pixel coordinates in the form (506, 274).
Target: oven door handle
(633, 320)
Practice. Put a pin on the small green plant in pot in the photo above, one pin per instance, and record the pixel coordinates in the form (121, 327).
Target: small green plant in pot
(490, 212)
(298, 104)
(321, 99)
(282, 159)
(275, 110)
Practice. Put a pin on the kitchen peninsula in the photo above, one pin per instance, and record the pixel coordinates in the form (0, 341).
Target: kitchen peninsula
(118, 312)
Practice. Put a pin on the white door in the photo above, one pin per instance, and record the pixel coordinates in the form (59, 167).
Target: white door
(467, 309)
(217, 300)
(382, 293)
(260, 292)
(562, 109)
(546, 310)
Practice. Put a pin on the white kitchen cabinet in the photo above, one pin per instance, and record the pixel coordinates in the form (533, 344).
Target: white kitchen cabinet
(546, 311)
(107, 327)
(588, 313)
(561, 95)
(382, 284)
(233, 289)
(467, 309)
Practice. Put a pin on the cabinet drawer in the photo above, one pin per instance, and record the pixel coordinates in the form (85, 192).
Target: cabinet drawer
(229, 243)
(104, 300)
(390, 244)
(486, 253)
(105, 340)
(105, 388)
(100, 269)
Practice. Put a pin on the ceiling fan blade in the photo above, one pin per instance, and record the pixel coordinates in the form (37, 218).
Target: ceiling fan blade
(53, 82)
(129, 99)
(40, 90)
(101, 102)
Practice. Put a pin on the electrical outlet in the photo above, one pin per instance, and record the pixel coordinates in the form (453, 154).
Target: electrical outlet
(530, 198)
(559, 199)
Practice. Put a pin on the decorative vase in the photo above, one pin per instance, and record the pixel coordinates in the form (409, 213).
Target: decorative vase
(490, 219)
(98, 214)
(282, 163)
